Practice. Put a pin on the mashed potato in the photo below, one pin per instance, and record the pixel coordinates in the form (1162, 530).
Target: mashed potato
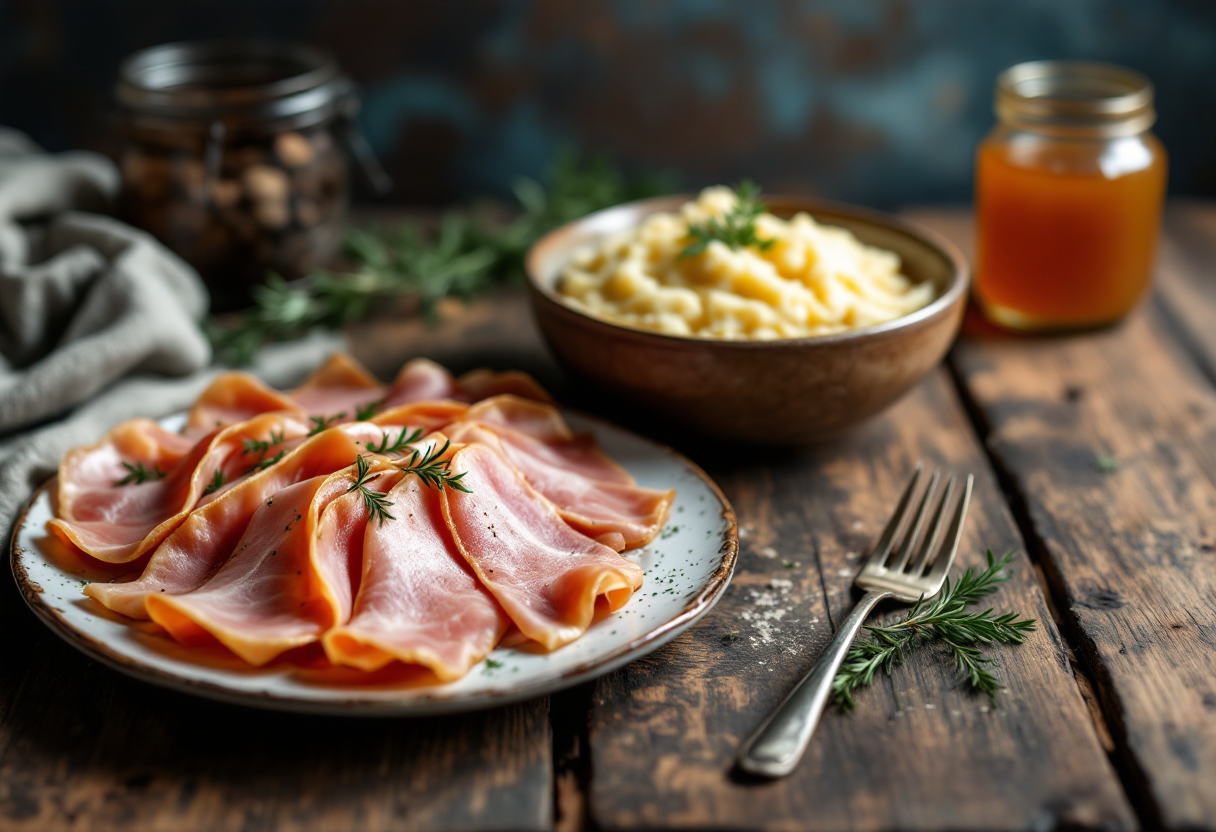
(812, 280)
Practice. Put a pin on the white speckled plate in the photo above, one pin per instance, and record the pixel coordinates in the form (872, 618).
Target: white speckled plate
(686, 570)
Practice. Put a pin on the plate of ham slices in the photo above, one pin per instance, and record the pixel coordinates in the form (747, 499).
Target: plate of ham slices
(433, 545)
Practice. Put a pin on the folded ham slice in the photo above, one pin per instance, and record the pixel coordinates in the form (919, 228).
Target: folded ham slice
(418, 601)
(288, 581)
(120, 523)
(235, 397)
(545, 575)
(476, 385)
(593, 494)
(205, 539)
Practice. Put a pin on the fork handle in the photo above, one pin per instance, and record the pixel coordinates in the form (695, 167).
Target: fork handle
(778, 744)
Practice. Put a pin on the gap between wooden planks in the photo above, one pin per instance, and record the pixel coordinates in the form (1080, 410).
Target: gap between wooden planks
(1129, 553)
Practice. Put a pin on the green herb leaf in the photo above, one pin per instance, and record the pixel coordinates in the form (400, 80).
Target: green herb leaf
(433, 471)
(366, 411)
(737, 228)
(262, 447)
(320, 423)
(1106, 463)
(377, 504)
(138, 474)
(217, 482)
(945, 620)
(397, 446)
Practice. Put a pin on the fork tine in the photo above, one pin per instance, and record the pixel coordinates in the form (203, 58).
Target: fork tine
(929, 544)
(950, 545)
(909, 543)
(887, 539)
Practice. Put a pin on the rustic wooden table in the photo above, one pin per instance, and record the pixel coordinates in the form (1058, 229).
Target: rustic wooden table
(1108, 720)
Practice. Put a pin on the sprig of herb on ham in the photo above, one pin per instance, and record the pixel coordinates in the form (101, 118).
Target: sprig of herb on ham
(432, 469)
(217, 482)
(367, 410)
(261, 447)
(377, 504)
(263, 464)
(398, 446)
(138, 474)
(736, 228)
(320, 423)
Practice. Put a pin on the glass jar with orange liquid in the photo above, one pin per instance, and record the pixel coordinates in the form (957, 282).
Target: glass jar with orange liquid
(1069, 190)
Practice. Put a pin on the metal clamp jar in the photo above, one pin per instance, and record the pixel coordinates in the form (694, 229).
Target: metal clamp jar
(232, 155)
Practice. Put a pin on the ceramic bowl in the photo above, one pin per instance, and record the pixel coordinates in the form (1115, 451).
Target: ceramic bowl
(784, 392)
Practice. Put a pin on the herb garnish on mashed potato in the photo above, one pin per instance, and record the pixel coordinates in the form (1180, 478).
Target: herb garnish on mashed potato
(723, 267)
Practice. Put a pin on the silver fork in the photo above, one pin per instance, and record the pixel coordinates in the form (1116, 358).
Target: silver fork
(891, 571)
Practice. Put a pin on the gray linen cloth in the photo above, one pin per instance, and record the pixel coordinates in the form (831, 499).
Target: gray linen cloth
(99, 322)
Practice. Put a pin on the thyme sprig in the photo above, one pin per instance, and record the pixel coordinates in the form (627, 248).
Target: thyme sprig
(433, 470)
(377, 504)
(263, 464)
(736, 228)
(138, 474)
(320, 423)
(466, 256)
(945, 620)
(398, 446)
(367, 410)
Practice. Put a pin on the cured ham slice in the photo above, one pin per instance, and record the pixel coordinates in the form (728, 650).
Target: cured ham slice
(288, 581)
(235, 397)
(545, 575)
(120, 523)
(427, 415)
(476, 385)
(340, 386)
(206, 538)
(592, 493)
(418, 601)
(421, 380)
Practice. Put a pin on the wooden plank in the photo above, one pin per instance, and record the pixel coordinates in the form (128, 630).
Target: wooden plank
(1130, 552)
(1186, 276)
(918, 753)
(82, 747)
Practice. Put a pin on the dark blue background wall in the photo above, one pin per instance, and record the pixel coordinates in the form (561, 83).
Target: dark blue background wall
(872, 101)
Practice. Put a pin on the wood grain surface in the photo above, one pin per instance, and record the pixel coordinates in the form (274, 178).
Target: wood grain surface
(1131, 552)
(918, 752)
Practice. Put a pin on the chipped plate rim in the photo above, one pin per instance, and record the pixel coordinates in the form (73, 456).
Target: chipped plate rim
(418, 701)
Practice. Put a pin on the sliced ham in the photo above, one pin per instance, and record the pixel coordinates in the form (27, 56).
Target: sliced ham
(339, 388)
(545, 575)
(235, 397)
(120, 523)
(418, 602)
(476, 385)
(593, 494)
(205, 539)
(288, 580)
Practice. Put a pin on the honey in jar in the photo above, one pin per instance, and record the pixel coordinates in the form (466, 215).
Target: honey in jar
(1069, 191)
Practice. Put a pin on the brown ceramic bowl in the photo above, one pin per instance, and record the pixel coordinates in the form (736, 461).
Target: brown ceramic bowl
(784, 392)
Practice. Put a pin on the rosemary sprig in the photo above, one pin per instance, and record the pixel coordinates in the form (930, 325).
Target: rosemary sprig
(261, 447)
(217, 482)
(263, 464)
(945, 620)
(365, 411)
(433, 471)
(736, 228)
(138, 474)
(465, 257)
(398, 446)
(320, 423)
(377, 504)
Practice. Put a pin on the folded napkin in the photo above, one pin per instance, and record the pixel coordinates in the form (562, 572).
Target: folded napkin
(99, 322)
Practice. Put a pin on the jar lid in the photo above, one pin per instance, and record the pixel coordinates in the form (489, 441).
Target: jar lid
(232, 80)
(1075, 99)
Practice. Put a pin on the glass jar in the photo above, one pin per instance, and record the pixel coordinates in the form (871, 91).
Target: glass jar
(1068, 194)
(231, 156)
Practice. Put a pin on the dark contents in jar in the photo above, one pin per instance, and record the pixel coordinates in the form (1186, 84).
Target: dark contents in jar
(246, 205)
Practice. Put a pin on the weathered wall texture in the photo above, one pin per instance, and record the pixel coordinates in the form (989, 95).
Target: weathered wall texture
(873, 101)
